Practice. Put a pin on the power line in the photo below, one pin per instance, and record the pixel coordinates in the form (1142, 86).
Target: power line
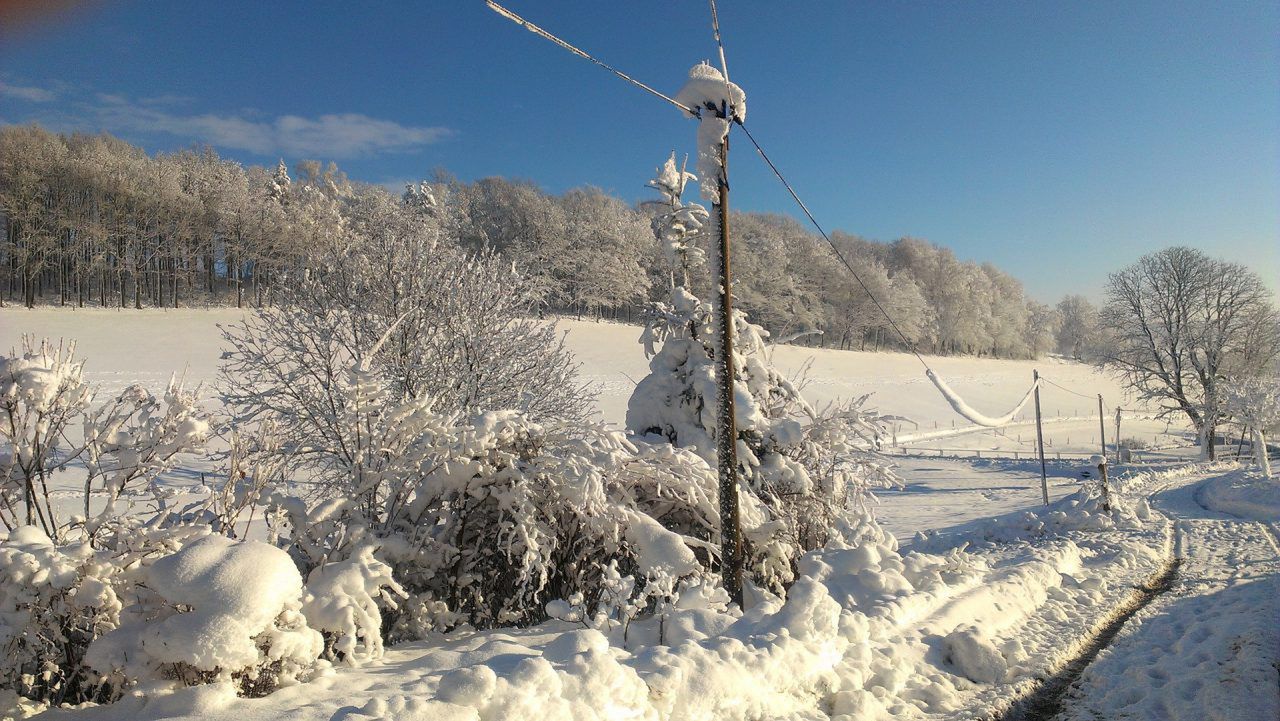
(1068, 390)
(910, 346)
(715, 29)
(583, 54)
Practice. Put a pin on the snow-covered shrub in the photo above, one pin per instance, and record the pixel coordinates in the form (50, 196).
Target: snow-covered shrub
(494, 515)
(800, 469)
(514, 514)
(344, 601)
(53, 602)
(126, 443)
(218, 610)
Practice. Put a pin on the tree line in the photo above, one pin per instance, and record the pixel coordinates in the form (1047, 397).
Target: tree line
(94, 220)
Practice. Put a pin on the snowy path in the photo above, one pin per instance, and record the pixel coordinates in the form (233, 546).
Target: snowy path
(1209, 648)
(941, 494)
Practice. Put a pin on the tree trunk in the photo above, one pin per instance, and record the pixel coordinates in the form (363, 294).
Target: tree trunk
(1260, 452)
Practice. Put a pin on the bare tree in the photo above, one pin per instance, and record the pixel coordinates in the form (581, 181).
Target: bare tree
(1078, 326)
(1178, 323)
(458, 327)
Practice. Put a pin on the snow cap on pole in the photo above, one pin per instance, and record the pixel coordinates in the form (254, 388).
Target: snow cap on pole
(706, 88)
(708, 92)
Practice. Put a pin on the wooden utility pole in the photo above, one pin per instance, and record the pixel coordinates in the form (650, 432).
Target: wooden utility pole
(731, 549)
(1102, 427)
(1102, 475)
(1044, 473)
(1119, 411)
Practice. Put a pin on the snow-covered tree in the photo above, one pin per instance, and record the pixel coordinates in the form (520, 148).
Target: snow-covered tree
(607, 241)
(1042, 328)
(1178, 323)
(678, 225)
(1077, 327)
(281, 184)
(799, 469)
(460, 337)
(1255, 403)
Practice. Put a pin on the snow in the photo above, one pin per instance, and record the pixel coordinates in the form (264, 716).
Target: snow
(234, 591)
(867, 632)
(1243, 494)
(973, 654)
(658, 550)
(969, 413)
(708, 91)
(1209, 648)
(343, 598)
(957, 622)
(124, 347)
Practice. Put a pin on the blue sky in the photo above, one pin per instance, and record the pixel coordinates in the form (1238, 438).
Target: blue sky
(1058, 140)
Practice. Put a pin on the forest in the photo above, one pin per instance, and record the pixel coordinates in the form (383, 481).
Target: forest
(94, 220)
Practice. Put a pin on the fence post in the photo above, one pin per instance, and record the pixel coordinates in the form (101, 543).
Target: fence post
(1044, 474)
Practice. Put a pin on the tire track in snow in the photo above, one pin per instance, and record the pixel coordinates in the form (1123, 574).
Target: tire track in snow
(1045, 701)
(1228, 569)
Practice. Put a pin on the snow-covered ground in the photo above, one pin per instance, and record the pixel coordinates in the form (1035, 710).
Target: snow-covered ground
(989, 593)
(870, 633)
(1209, 648)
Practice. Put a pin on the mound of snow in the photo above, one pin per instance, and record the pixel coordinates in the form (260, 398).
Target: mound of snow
(974, 656)
(1247, 495)
(238, 609)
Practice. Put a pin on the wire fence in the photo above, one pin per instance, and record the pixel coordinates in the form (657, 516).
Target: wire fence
(1225, 451)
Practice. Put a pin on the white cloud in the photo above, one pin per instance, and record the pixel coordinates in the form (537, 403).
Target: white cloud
(343, 135)
(26, 92)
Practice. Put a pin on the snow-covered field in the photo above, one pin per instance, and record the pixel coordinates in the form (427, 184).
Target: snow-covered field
(146, 346)
(983, 593)
(131, 346)
(123, 347)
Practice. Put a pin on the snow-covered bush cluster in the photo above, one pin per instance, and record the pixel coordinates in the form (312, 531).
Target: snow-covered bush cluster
(124, 444)
(113, 585)
(488, 517)
(53, 602)
(217, 610)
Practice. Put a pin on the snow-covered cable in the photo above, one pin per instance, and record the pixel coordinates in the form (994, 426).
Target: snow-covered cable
(910, 346)
(583, 54)
(969, 413)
